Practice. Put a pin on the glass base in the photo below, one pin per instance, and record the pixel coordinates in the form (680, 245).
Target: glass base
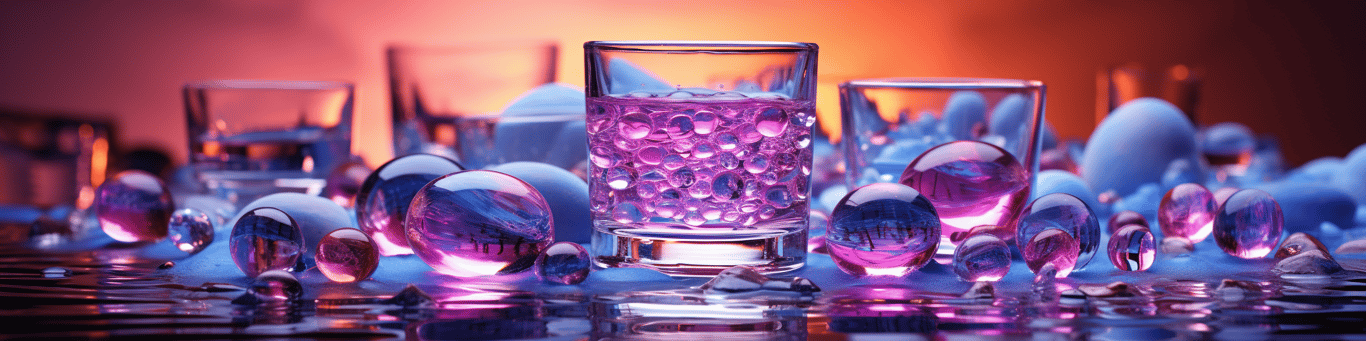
(241, 188)
(698, 252)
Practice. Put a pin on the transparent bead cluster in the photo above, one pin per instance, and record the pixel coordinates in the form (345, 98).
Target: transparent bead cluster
(693, 160)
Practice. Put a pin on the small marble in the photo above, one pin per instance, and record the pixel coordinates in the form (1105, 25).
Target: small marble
(277, 285)
(134, 206)
(1187, 211)
(883, 229)
(1051, 247)
(347, 255)
(563, 263)
(190, 230)
(265, 239)
(1066, 213)
(981, 257)
(1248, 225)
(1132, 248)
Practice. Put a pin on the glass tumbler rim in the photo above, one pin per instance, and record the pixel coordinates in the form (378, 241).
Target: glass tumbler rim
(700, 46)
(965, 83)
(264, 84)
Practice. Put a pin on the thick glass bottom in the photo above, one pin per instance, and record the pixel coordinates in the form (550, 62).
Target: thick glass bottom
(699, 252)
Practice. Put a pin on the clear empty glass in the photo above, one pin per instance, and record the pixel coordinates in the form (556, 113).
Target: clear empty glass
(439, 93)
(700, 154)
(251, 138)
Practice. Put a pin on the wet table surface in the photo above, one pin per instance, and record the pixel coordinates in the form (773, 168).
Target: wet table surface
(100, 288)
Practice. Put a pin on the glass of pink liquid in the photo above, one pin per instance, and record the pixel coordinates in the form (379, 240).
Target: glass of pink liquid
(700, 154)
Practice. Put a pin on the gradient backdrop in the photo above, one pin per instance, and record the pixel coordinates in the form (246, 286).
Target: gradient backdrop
(1289, 68)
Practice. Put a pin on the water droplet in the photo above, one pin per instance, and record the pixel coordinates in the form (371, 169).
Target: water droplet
(56, 272)
(883, 229)
(757, 164)
(1132, 248)
(1051, 247)
(679, 127)
(704, 122)
(771, 122)
(694, 219)
(563, 263)
(265, 239)
(190, 230)
(682, 178)
(982, 257)
(1187, 211)
(347, 255)
(727, 141)
(1248, 225)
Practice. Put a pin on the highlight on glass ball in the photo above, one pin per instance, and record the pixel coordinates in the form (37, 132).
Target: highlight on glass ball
(134, 206)
(383, 199)
(478, 223)
(883, 229)
(265, 239)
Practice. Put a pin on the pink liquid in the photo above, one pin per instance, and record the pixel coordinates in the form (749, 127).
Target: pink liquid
(700, 162)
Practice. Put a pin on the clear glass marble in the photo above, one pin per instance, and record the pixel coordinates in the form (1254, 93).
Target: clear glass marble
(347, 255)
(265, 239)
(1066, 213)
(981, 257)
(1053, 248)
(970, 183)
(1132, 248)
(382, 203)
(563, 263)
(478, 222)
(190, 230)
(1249, 224)
(134, 206)
(883, 229)
(1187, 211)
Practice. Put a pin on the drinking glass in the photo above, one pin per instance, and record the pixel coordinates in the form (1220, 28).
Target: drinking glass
(700, 154)
(1178, 84)
(447, 99)
(889, 122)
(251, 138)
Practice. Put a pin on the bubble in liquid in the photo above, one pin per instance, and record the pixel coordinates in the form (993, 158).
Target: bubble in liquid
(478, 222)
(277, 285)
(1248, 225)
(704, 122)
(679, 127)
(1126, 218)
(563, 263)
(383, 199)
(883, 229)
(982, 257)
(1132, 248)
(344, 182)
(1052, 247)
(347, 255)
(265, 239)
(190, 230)
(1187, 211)
(634, 126)
(1066, 213)
(771, 122)
(971, 184)
(134, 206)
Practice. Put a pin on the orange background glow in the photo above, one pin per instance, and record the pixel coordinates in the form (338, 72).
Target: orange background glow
(1284, 68)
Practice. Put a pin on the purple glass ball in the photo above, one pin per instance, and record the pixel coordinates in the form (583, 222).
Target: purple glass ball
(1187, 211)
(1248, 225)
(134, 206)
(970, 183)
(883, 229)
(265, 239)
(1132, 248)
(382, 203)
(1066, 213)
(476, 223)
